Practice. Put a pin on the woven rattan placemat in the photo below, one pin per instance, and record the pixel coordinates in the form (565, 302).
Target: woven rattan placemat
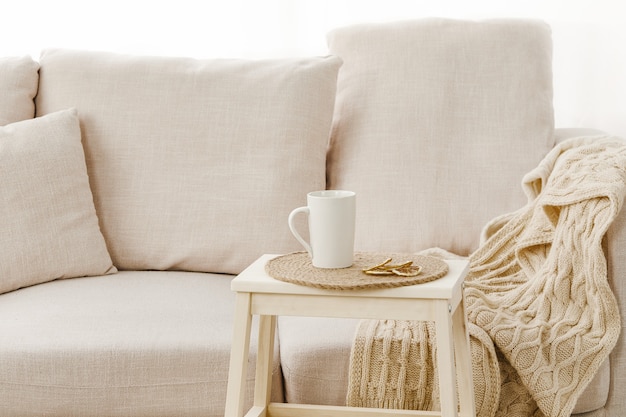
(298, 269)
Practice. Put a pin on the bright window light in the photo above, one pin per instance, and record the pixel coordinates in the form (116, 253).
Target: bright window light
(589, 37)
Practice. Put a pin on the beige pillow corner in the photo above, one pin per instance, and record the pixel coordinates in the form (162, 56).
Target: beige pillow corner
(49, 226)
(19, 80)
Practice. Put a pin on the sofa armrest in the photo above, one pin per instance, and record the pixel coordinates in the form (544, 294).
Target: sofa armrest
(563, 133)
(615, 247)
(615, 250)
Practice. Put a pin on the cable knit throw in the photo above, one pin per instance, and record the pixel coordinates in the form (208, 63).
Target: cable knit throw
(542, 317)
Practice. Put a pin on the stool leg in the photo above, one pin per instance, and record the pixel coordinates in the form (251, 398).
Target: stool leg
(236, 389)
(445, 360)
(463, 356)
(264, 361)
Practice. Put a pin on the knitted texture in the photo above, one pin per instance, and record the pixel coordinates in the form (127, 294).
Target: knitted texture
(542, 317)
(393, 364)
(397, 369)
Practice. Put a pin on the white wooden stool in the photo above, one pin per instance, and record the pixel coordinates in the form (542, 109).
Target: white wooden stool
(440, 301)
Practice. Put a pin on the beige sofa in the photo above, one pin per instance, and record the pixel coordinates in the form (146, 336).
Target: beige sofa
(134, 188)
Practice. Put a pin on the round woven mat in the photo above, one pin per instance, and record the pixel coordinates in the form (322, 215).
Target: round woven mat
(298, 269)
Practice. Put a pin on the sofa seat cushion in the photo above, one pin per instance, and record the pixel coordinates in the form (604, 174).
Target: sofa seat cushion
(19, 78)
(131, 344)
(315, 357)
(196, 164)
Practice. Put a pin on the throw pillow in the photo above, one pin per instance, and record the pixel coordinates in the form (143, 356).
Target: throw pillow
(48, 224)
(196, 164)
(436, 123)
(18, 86)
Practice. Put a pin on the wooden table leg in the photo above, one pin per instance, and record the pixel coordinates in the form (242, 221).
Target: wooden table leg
(463, 362)
(264, 361)
(238, 370)
(445, 360)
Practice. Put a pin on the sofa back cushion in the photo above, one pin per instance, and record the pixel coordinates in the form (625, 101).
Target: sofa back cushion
(19, 78)
(195, 164)
(436, 122)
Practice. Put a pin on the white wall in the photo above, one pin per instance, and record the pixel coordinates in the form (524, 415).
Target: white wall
(589, 35)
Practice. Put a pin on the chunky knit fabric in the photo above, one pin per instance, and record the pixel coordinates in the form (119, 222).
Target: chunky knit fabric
(542, 317)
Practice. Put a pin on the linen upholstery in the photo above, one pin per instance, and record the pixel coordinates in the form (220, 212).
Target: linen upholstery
(616, 263)
(48, 224)
(436, 122)
(314, 357)
(196, 164)
(19, 78)
(137, 343)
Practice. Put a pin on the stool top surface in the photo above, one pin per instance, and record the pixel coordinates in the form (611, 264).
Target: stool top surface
(255, 279)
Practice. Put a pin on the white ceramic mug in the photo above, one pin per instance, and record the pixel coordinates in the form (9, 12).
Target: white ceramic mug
(331, 227)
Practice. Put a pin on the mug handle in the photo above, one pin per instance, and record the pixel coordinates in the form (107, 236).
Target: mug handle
(292, 215)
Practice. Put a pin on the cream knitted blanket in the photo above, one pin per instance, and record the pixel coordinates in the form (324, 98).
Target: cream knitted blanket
(542, 317)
